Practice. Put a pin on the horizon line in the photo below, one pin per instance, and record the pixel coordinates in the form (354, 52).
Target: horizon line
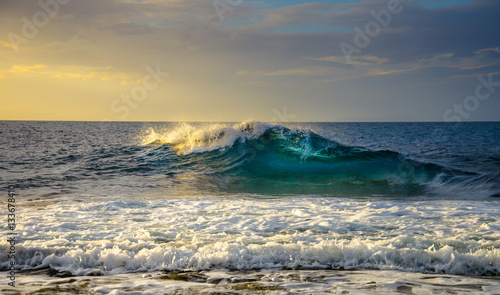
(186, 121)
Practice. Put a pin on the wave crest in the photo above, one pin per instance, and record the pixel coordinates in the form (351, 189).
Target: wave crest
(187, 138)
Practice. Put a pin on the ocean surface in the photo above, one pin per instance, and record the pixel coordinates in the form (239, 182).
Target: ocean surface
(252, 208)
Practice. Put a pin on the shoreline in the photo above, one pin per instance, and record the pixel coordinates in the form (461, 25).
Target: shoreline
(265, 281)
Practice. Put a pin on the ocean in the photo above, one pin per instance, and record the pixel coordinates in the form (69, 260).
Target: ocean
(249, 208)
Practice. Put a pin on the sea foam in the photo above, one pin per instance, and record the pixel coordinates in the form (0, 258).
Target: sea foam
(120, 236)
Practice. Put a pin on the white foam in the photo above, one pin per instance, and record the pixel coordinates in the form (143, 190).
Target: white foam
(187, 138)
(119, 236)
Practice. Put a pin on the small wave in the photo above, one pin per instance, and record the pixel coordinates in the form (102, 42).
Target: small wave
(353, 254)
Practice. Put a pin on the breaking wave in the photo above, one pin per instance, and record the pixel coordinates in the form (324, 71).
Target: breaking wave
(263, 158)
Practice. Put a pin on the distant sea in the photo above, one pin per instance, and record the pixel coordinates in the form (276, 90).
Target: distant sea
(250, 208)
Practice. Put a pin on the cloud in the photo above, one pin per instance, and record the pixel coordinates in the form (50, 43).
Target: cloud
(488, 50)
(364, 60)
(26, 68)
(308, 71)
(7, 44)
(484, 74)
(381, 72)
(242, 73)
(74, 72)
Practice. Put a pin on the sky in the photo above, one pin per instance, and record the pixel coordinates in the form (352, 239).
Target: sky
(241, 60)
